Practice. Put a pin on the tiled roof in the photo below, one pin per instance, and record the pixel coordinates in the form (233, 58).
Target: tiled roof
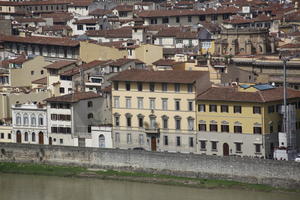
(125, 32)
(87, 21)
(164, 62)
(81, 3)
(59, 64)
(84, 67)
(24, 20)
(232, 94)
(41, 40)
(56, 28)
(74, 97)
(122, 61)
(41, 81)
(124, 8)
(136, 75)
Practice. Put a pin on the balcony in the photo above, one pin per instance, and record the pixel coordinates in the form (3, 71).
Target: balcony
(152, 131)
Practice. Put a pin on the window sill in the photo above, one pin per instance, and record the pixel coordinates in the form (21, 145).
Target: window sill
(239, 152)
(202, 149)
(214, 150)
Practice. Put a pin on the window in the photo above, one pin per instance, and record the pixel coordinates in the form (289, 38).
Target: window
(90, 116)
(32, 72)
(271, 109)
(224, 128)
(191, 142)
(165, 104)
(127, 86)
(238, 147)
(117, 102)
(117, 120)
(202, 127)
(190, 106)
(128, 121)
(165, 20)
(26, 136)
(164, 87)
(214, 17)
(153, 21)
(90, 104)
(177, 104)
(214, 146)
(33, 137)
(89, 129)
(129, 139)
(212, 108)
(42, 72)
(257, 130)
(237, 109)
(178, 142)
(202, 18)
(224, 108)
(9, 136)
(61, 90)
(213, 127)
(177, 19)
(177, 123)
(256, 110)
(80, 27)
(116, 85)
(166, 140)
(189, 18)
(128, 102)
(140, 102)
(165, 122)
(61, 141)
(272, 128)
(140, 86)
(152, 87)
(190, 88)
(152, 103)
(202, 145)
(25, 120)
(257, 148)
(190, 124)
(141, 139)
(177, 87)
(201, 107)
(141, 121)
(238, 129)
(2, 135)
(117, 137)
(33, 120)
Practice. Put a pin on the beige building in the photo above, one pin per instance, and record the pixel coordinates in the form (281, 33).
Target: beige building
(23, 74)
(5, 133)
(146, 53)
(155, 110)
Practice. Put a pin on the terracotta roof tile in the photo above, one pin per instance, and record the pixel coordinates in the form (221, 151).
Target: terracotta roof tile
(41, 81)
(136, 75)
(59, 64)
(74, 97)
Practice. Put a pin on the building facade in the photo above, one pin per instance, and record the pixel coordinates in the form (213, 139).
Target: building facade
(156, 110)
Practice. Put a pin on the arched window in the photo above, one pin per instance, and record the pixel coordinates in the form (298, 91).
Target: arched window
(41, 120)
(18, 119)
(26, 136)
(101, 141)
(90, 116)
(33, 136)
(25, 120)
(33, 120)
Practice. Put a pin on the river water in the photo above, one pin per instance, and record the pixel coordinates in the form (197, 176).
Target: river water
(29, 187)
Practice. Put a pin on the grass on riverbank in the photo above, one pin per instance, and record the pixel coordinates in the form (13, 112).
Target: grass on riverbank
(66, 171)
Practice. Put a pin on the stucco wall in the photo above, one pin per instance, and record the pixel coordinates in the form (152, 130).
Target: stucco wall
(276, 173)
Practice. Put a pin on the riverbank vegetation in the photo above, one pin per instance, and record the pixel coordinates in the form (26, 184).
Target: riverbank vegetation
(70, 171)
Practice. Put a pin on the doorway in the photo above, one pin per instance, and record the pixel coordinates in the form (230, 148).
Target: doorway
(19, 137)
(225, 149)
(50, 140)
(101, 141)
(41, 138)
(153, 143)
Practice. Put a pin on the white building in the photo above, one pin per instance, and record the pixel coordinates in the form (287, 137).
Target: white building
(29, 122)
(101, 137)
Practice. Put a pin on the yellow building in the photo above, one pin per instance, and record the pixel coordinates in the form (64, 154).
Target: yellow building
(155, 110)
(242, 120)
(5, 133)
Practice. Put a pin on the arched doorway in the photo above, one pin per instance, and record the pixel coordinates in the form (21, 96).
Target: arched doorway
(50, 140)
(225, 149)
(41, 138)
(153, 143)
(19, 137)
(101, 141)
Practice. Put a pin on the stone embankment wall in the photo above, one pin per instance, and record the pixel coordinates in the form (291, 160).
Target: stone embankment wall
(276, 173)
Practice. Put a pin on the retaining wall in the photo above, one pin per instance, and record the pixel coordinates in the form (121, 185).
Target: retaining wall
(276, 173)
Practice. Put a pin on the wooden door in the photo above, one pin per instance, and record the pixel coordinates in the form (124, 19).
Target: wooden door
(41, 138)
(19, 137)
(225, 149)
(153, 143)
